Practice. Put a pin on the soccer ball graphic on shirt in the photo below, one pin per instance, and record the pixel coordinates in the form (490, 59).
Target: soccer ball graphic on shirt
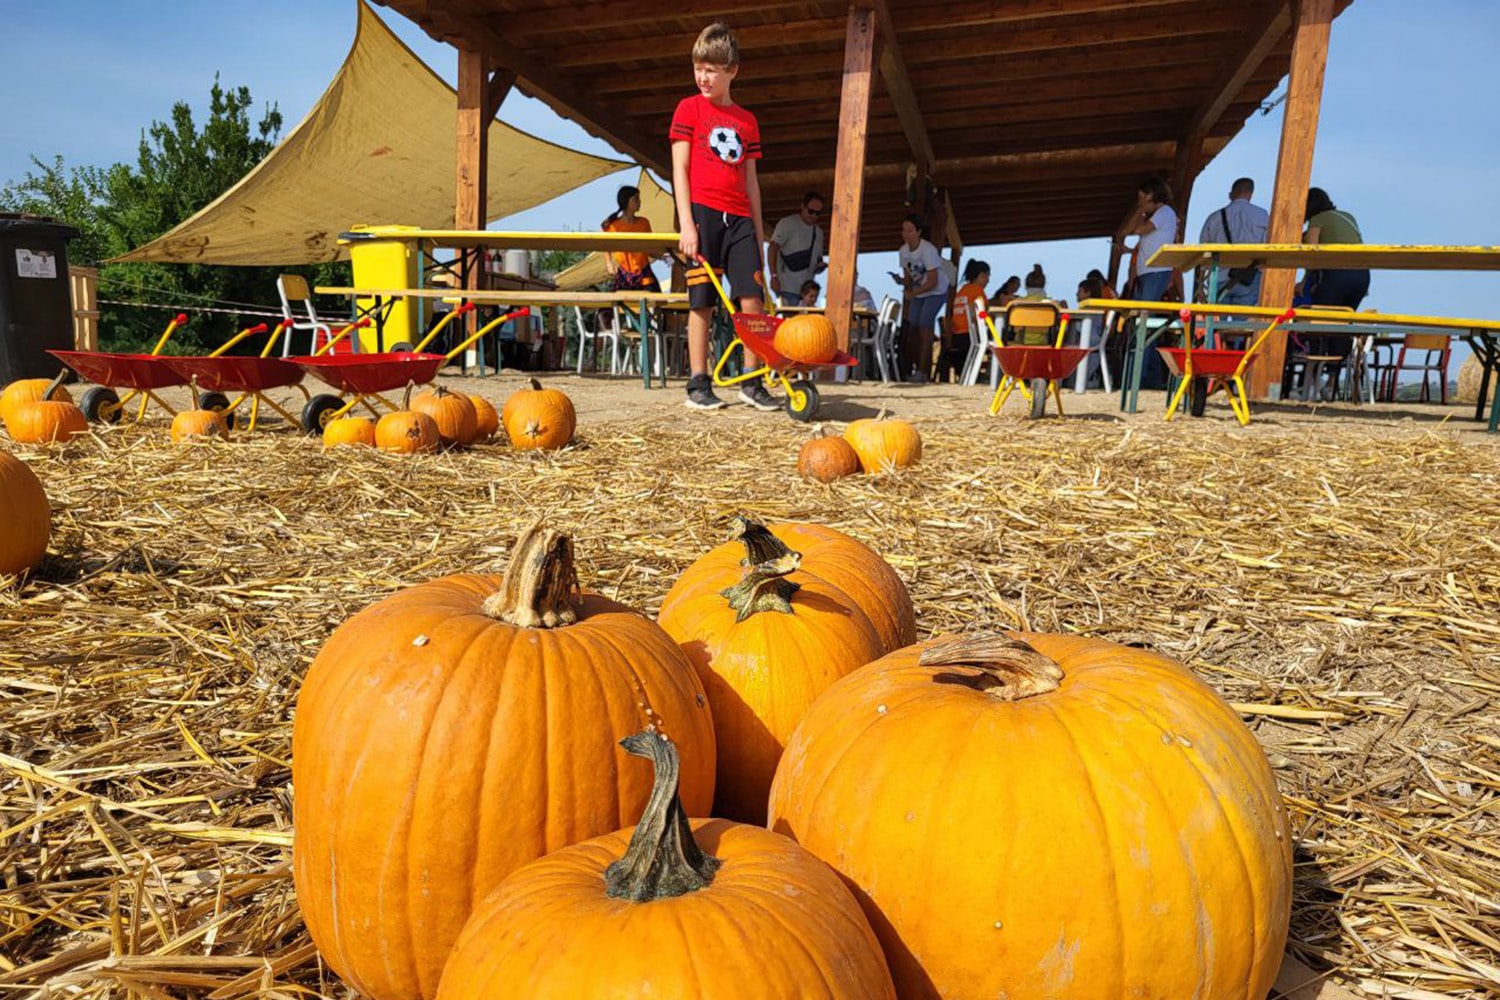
(726, 144)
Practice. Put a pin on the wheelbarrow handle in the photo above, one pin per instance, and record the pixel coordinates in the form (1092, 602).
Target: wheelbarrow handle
(442, 324)
(179, 320)
(249, 331)
(474, 337)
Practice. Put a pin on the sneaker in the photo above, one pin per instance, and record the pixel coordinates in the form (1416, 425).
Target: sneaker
(755, 394)
(700, 395)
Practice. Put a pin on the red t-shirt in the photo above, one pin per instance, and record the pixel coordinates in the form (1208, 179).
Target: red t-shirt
(721, 141)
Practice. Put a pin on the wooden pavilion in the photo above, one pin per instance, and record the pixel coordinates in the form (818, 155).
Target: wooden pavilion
(998, 120)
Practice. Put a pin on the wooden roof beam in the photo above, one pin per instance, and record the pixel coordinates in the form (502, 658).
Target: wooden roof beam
(1259, 41)
(898, 86)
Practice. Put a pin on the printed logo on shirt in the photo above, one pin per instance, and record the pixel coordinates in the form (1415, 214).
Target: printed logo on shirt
(726, 144)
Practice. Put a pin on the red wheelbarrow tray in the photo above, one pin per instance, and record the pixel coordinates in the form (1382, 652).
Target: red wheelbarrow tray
(237, 374)
(757, 332)
(1027, 363)
(366, 374)
(133, 371)
(1206, 363)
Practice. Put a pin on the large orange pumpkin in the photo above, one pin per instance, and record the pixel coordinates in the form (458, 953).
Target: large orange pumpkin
(457, 422)
(675, 908)
(883, 444)
(50, 417)
(808, 338)
(487, 420)
(1046, 816)
(538, 418)
(405, 431)
(455, 730)
(349, 432)
(25, 514)
(766, 639)
(826, 459)
(29, 390)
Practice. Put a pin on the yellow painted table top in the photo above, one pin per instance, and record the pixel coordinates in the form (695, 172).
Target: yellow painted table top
(1329, 256)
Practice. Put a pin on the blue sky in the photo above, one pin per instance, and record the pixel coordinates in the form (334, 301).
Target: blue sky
(1405, 141)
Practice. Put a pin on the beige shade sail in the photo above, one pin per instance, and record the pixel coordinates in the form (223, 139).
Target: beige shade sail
(378, 147)
(656, 207)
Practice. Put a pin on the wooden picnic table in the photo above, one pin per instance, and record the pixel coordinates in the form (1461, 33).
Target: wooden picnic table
(381, 297)
(1482, 334)
(1328, 256)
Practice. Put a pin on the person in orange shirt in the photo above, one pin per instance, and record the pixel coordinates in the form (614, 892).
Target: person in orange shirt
(629, 271)
(970, 294)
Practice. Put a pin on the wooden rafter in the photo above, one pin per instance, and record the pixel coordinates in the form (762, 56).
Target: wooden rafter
(898, 85)
(1260, 39)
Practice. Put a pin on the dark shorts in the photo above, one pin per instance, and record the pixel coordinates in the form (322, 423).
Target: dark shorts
(728, 243)
(632, 281)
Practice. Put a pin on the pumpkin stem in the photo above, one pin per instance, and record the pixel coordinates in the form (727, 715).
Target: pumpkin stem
(663, 859)
(764, 587)
(760, 545)
(54, 385)
(541, 583)
(193, 384)
(406, 396)
(535, 385)
(1009, 669)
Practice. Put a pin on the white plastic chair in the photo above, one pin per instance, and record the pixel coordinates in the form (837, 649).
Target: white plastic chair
(293, 291)
(590, 333)
(979, 347)
(881, 344)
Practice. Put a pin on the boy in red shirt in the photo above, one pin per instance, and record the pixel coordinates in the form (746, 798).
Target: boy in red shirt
(715, 144)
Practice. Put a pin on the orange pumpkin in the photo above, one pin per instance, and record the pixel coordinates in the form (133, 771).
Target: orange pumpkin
(454, 414)
(808, 338)
(455, 730)
(349, 432)
(1128, 838)
(29, 390)
(405, 431)
(538, 418)
(883, 444)
(487, 420)
(681, 908)
(826, 459)
(25, 514)
(766, 639)
(189, 425)
(47, 418)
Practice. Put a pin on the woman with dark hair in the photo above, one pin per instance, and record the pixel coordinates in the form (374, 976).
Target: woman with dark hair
(1344, 287)
(970, 298)
(629, 271)
(1101, 285)
(1009, 291)
(926, 291)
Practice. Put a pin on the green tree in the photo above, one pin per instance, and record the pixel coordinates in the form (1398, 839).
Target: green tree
(179, 168)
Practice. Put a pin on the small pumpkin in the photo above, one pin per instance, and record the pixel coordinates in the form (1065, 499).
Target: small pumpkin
(883, 444)
(349, 432)
(458, 729)
(457, 422)
(826, 458)
(807, 337)
(681, 908)
(1046, 816)
(487, 419)
(538, 418)
(48, 418)
(406, 431)
(766, 639)
(190, 425)
(29, 390)
(26, 515)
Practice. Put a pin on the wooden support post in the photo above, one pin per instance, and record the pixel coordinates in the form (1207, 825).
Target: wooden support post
(471, 157)
(860, 43)
(1185, 167)
(1299, 130)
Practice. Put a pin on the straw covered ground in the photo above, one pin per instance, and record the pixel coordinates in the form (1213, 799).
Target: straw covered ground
(1342, 589)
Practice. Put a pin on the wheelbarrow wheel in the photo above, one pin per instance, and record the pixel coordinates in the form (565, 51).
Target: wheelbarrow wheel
(404, 347)
(1198, 402)
(316, 413)
(219, 403)
(1038, 398)
(101, 405)
(802, 401)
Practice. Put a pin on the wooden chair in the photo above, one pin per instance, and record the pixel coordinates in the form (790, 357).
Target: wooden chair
(1435, 359)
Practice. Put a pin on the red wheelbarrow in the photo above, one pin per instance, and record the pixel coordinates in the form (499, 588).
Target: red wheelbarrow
(1035, 370)
(364, 377)
(756, 333)
(140, 373)
(1203, 371)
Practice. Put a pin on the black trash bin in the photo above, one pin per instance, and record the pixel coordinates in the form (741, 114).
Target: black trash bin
(36, 302)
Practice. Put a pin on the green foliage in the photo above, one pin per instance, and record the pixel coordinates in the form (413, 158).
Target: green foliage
(179, 169)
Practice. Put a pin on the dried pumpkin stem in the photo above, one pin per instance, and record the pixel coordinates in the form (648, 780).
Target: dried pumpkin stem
(535, 385)
(764, 587)
(54, 385)
(1009, 668)
(541, 582)
(663, 859)
(760, 545)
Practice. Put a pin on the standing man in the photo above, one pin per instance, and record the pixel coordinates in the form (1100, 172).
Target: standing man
(796, 250)
(1240, 221)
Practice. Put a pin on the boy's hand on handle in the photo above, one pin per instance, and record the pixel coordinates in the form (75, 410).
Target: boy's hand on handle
(687, 241)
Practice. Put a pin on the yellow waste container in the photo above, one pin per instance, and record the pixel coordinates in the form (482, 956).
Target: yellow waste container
(387, 260)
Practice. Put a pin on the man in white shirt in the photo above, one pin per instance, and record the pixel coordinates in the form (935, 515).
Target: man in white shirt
(1240, 221)
(795, 251)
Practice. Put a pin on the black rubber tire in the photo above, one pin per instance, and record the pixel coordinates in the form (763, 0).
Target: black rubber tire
(1198, 397)
(315, 413)
(808, 394)
(219, 403)
(403, 347)
(101, 405)
(1038, 398)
